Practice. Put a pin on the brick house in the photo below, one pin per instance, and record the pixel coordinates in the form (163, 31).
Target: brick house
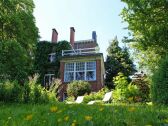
(82, 62)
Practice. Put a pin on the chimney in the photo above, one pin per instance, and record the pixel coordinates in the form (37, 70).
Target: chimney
(54, 36)
(94, 36)
(72, 36)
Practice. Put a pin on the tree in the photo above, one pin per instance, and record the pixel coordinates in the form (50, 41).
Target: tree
(160, 83)
(17, 25)
(13, 62)
(118, 60)
(148, 23)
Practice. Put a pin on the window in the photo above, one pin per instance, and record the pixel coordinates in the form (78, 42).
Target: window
(52, 57)
(80, 71)
(48, 78)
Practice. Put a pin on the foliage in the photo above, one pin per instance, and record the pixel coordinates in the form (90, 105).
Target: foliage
(13, 62)
(82, 115)
(136, 91)
(148, 23)
(143, 85)
(118, 60)
(30, 92)
(160, 83)
(78, 88)
(95, 95)
(42, 63)
(10, 92)
(18, 38)
(55, 87)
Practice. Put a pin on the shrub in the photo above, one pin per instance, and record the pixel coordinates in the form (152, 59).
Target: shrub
(10, 92)
(95, 95)
(125, 92)
(160, 83)
(143, 87)
(78, 88)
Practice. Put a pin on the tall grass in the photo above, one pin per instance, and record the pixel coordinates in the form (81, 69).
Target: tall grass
(82, 115)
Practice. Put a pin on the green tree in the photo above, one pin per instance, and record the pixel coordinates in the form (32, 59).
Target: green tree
(148, 23)
(118, 60)
(17, 25)
(160, 83)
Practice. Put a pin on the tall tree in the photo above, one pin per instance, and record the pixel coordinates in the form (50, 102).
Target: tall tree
(17, 25)
(148, 22)
(118, 60)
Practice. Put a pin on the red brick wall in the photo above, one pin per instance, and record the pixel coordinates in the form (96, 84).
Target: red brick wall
(85, 45)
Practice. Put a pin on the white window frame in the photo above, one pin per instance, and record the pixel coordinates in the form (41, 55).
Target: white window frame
(75, 71)
(50, 78)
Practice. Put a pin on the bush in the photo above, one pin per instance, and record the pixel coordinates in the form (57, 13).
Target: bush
(125, 92)
(143, 87)
(160, 83)
(10, 92)
(78, 88)
(95, 95)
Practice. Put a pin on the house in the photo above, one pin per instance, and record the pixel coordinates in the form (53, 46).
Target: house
(82, 62)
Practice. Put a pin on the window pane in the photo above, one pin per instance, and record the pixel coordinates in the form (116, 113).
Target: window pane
(69, 76)
(80, 66)
(91, 65)
(69, 67)
(80, 75)
(90, 75)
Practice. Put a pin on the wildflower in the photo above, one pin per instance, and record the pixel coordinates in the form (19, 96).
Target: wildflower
(53, 109)
(29, 117)
(66, 118)
(88, 118)
(131, 109)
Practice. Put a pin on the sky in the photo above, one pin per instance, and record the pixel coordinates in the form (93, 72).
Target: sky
(85, 16)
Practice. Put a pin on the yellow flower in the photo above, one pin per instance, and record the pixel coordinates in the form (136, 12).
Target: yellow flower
(53, 109)
(131, 109)
(148, 125)
(29, 117)
(66, 118)
(101, 109)
(88, 118)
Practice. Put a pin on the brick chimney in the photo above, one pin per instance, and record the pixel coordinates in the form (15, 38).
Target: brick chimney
(54, 36)
(94, 36)
(72, 36)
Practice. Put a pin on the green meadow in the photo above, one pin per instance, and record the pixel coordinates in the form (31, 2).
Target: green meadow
(61, 114)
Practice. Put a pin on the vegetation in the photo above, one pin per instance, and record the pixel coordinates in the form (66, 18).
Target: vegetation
(148, 23)
(16, 45)
(88, 115)
(30, 92)
(118, 60)
(42, 63)
(160, 83)
(135, 91)
(78, 88)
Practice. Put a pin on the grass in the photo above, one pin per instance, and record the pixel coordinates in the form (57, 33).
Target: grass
(60, 114)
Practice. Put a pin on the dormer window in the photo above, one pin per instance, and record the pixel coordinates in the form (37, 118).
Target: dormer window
(52, 57)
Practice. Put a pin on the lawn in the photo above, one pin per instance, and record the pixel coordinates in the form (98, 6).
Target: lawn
(60, 114)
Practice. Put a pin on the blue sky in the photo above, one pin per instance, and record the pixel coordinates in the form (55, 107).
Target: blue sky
(85, 16)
